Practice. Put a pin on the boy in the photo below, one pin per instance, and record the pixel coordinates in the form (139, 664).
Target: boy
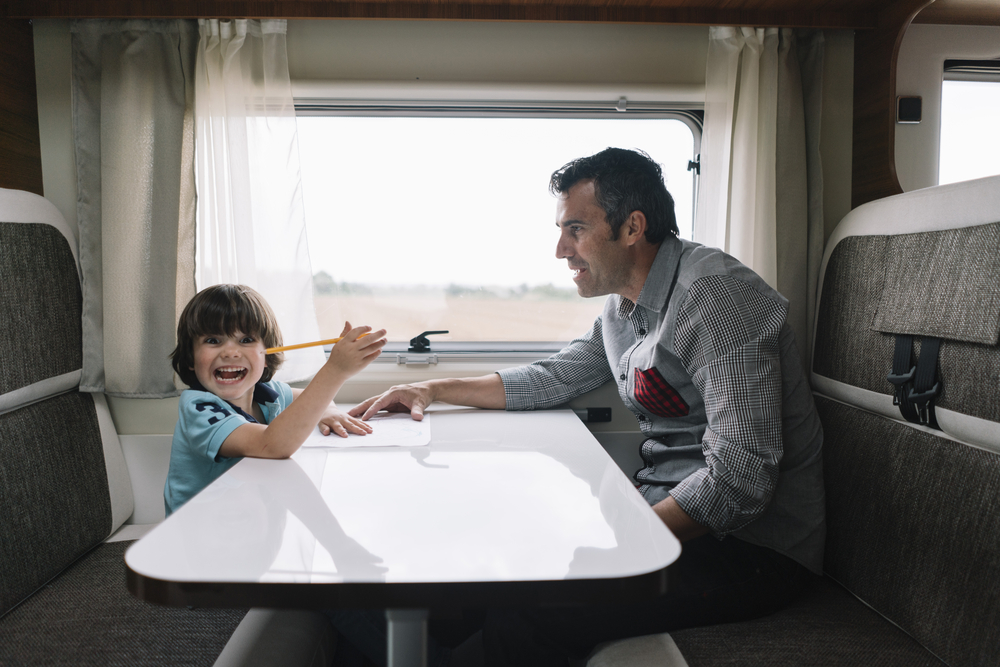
(234, 408)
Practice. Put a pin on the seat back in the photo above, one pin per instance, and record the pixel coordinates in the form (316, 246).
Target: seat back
(912, 514)
(64, 486)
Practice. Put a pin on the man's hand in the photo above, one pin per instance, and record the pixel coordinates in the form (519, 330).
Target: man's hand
(412, 398)
(678, 521)
(338, 422)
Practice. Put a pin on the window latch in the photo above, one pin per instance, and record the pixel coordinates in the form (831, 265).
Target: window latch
(695, 164)
(419, 343)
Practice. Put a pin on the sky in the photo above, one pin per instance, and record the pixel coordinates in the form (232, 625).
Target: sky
(435, 201)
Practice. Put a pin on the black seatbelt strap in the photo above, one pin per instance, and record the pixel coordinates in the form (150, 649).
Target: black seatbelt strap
(903, 373)
(926, 386)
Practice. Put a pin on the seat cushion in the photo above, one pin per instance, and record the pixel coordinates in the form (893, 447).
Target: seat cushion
(53, 491)
(825, 626)
(86, 616)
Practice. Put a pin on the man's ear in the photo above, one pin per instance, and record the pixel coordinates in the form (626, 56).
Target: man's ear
(634, 228)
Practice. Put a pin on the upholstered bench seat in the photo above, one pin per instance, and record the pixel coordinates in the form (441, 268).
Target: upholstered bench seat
(85, 616)
(827, 626)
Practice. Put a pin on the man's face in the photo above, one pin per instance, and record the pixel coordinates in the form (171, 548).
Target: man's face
(601, 264)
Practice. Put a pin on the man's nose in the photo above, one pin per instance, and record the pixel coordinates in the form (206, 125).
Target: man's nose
(562, 249)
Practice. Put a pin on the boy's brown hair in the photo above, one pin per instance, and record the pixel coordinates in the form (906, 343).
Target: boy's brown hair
(224, 310)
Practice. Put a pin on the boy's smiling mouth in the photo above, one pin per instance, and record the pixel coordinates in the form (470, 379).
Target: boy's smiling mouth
(230, 374)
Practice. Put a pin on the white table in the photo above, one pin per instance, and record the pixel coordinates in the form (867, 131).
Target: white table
(502, 508)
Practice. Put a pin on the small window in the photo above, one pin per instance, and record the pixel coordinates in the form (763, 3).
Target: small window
(970, 133)
(433, 222)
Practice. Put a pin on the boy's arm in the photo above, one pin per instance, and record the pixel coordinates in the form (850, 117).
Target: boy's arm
(336, 421)
(287, 431)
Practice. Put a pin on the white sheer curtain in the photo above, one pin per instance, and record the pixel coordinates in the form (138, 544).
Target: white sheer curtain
(761, 193)
(251, 226)
(736, 199)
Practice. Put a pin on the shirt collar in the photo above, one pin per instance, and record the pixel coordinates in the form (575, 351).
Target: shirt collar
(261, 392)
(659, 282)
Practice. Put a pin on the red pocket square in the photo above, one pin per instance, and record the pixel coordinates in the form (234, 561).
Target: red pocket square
(657, 396)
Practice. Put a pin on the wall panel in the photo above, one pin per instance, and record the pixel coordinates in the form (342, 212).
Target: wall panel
(20, 152)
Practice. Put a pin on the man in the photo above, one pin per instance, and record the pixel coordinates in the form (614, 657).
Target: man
(703, 357)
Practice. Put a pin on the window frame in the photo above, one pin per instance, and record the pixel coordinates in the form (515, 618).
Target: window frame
(461, 100)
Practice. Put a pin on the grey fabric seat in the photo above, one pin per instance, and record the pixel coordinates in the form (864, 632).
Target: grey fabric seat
(64, 484)
(86, 617)
(826, 626)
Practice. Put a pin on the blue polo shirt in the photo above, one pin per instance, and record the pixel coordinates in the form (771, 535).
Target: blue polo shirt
(204, 421)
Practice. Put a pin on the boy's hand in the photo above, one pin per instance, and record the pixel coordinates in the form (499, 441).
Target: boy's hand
(353, 352)
(337, 422)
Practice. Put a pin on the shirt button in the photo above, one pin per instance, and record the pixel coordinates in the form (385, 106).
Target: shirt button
(642, 332)
(642, 418)
(622, 378)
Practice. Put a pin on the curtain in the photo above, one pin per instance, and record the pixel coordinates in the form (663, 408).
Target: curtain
(761, 192)
(251, 226)
(133, 84)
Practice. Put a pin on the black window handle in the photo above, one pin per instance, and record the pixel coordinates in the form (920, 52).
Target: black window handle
(419, 343)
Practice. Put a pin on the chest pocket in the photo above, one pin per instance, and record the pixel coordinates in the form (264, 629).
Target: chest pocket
(656, 395)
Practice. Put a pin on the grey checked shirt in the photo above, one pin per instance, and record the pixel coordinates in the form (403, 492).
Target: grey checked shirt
(708, 366)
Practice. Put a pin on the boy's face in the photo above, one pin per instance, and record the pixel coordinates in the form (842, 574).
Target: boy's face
(229, 366)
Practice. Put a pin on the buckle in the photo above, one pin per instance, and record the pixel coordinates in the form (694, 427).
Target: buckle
(899, 381)
(922, 401)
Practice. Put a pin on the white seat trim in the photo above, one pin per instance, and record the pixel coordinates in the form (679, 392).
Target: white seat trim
(39, 391)
(965, 429)
(27, 207)
(647, 651)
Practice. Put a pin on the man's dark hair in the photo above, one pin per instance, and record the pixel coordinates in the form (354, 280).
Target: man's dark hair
(224, 310)
(624, 181)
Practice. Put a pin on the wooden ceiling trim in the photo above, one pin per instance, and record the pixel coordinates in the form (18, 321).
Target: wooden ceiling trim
(844, 15)
(960, 14)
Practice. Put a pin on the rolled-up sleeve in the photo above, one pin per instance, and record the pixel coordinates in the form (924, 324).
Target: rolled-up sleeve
(576, 369)
(727, 337)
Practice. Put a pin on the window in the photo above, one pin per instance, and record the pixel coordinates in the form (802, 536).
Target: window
(431, 222)
(970, 134)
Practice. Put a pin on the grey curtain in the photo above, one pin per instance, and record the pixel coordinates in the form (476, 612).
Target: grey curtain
(133, 122)
(799, 179)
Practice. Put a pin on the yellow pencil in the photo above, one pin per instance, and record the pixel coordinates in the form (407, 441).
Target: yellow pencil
(330, 341)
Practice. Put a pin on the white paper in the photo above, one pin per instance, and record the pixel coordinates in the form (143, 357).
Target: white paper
(389, 429)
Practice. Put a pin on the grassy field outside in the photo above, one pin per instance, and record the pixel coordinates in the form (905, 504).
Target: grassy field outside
(468, 316)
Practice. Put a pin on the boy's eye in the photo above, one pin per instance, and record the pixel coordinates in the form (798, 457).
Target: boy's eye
(247, 340)
(211, 340)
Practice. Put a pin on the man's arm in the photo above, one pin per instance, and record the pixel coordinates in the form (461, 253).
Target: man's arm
(576, 369)
(727, 335)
